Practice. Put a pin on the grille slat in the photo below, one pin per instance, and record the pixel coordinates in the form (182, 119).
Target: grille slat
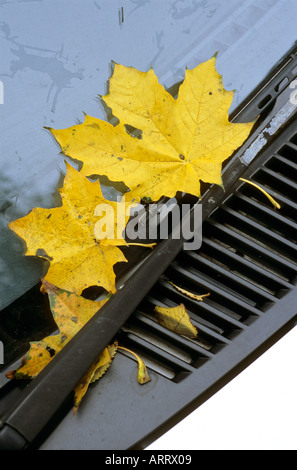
(283, 166)
(243, 267)
(223, 298)
(219, 299)
(289, 151)
(205, 312)
(256, 195)
(161, 334)
(199, 344)
(276, 242)
(246, 247)
(165, 296)
(250, 293)
(160, 359)
(265, 215)
(278, 183)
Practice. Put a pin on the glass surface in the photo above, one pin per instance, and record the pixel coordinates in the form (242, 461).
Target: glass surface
(56, 58)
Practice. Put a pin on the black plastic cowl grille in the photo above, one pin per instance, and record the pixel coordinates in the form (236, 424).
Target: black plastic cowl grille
(247, 261)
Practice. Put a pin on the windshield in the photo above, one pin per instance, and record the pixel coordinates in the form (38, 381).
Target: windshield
(56, 58)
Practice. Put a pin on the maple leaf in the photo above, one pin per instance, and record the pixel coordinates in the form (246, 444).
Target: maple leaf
(70, 312)
(176, 319)
(183, 141)
(66, 236)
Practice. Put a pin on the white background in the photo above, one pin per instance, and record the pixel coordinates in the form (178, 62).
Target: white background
(257, 410)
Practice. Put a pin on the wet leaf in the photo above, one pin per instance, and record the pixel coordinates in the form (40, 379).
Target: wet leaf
(71, 312)
(142, 375)
(66, 236)
(176, 319)
(95, 372)
(182, 141)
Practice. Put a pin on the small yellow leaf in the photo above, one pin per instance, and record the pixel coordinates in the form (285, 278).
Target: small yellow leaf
(142, 375)
(71, 312)
(95, 372)
(189, 294)
(271, 199)
(176, 319)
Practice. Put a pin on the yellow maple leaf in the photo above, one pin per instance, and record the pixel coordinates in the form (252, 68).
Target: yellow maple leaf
(176, 319)
(66, 236)
(183, 141)
(70, 312)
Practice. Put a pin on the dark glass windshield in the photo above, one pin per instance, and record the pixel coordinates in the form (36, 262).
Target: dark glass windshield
(56, 58)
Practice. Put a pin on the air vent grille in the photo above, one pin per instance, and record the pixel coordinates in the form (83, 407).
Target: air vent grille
(247, 262)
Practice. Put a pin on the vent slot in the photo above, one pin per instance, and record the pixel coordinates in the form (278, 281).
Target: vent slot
(279, 185)
(281, 85)
(229, 281)
(242, 267)
(257, 233)
(250, 250)
(266, 216)
(289, 152)
(264, 102)
(294, 137)
(283, 166)
(222, 319)
(288, 207)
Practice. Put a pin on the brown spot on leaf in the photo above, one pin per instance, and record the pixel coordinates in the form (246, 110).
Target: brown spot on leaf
(51, 351)
(94, 125)
(10, 374)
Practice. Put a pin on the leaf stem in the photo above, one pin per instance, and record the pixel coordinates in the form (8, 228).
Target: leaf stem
(271, 199)
(189, 294)
(147, 245)
(142, 375)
